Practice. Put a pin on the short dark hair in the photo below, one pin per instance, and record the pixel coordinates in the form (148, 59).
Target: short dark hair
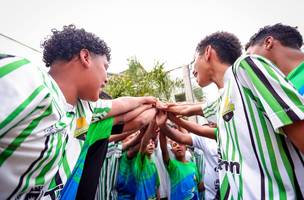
(226, 45)
(287, 35)
(65, 44)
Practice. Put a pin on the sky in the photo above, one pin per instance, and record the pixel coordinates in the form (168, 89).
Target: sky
(157, 30)
(150, 30)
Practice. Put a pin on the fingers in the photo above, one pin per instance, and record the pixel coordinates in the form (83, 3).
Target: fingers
(149, 100)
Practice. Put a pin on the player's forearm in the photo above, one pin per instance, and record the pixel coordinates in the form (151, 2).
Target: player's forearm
(132, 142)
(140, 121)
(197, 129)
(163, 146)
(149, 133)
(126, 117)
(124, 104)
(133, 151)
(176, 135)
(119, 137)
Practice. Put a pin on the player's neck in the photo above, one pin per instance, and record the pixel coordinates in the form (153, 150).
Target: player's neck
(292, 59)
(219, 73)
(65, 81)
(181, 159)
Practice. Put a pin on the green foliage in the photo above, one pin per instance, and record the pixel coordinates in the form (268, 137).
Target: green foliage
(136, 81)
(198, 94)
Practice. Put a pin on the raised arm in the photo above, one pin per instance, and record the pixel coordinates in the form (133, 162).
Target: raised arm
(149, 133)
(135, 140)
(194, 127)
(133, 151)
(172, 133)
(161, 119)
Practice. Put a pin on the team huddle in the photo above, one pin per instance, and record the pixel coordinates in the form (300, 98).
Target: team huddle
(62, 137)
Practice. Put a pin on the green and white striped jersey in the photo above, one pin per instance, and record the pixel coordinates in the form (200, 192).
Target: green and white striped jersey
(38, 149)
(256, 159)
(108, 176)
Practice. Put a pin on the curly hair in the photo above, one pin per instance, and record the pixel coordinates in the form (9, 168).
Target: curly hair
(287, 35)
(226, 45)
(65, 44)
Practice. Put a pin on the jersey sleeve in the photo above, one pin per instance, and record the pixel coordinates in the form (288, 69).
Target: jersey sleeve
(22, 91)
(209, 109)
(100, 109)
(276, 96)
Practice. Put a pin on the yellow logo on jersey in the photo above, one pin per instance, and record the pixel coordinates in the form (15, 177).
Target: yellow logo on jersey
(81, 126)
(227, 112)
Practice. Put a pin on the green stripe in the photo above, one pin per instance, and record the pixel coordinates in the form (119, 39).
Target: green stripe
(24, 134)
(211, 109)
(266, 94)
(291, 94)
(270, 150)
(258, 140)
(40, 178)
(240, 196)
(224, 187)
(227, 142)
(21, 107)
(6, 69)
(39, 165)
(66, 166)
(272, 158)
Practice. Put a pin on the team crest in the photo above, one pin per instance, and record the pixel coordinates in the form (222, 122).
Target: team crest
(228, 111)
(81, 127)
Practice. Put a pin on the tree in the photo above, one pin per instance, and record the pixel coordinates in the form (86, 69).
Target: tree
(136, 81)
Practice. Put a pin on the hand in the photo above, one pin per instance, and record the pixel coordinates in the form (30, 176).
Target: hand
(148, 100)
(176, 108)
(173, 118)
(161, 118)
(160, 105)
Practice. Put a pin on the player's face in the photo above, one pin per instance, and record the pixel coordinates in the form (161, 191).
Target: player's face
(94, 78)
(179, 150)
(150, 147)
(200, 71)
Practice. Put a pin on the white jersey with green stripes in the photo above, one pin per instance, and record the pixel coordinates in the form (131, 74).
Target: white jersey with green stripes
(38, 149)
(256, 159)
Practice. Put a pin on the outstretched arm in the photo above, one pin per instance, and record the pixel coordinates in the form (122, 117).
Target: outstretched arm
(185, 109)
(140, 121)
(124, 104)
(194, 127)
(126, 117)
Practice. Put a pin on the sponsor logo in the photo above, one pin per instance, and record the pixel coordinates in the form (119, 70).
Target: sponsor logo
(228, 166)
